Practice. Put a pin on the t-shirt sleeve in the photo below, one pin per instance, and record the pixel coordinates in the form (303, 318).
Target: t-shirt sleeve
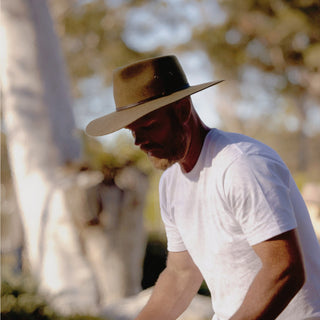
(257, 190)
(174, 241)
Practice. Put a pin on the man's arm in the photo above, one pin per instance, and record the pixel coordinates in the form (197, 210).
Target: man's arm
(277, 282)
(174, 290)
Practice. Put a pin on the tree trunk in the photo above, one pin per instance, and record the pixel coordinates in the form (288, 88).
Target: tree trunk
(85, 242)
(40, 130)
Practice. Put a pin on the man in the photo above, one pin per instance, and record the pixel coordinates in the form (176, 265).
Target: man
(232, 212)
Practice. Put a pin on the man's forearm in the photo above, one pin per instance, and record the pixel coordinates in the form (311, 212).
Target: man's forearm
(277, 282)
(267, 298)
(171, 295)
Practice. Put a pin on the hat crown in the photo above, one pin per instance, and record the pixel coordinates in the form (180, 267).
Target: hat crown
(146, 80)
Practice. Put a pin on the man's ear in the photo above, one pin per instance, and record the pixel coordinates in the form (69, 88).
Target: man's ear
(183, 109)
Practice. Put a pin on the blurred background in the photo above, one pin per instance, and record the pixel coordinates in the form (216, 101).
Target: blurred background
(80, 221)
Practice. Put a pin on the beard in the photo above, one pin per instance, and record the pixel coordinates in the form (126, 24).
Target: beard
(161, 164)
(176, 152)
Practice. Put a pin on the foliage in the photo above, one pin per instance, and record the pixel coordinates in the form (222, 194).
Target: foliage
(91, 39)
(280, 37)
(114, 156)
(273, 36)
(5, 168)
(276, 40)
(20, 301)
(155, 262)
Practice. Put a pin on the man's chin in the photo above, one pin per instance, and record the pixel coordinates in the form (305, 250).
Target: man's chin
(161, 164)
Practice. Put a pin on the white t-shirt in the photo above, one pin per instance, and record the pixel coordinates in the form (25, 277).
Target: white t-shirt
(238, 194)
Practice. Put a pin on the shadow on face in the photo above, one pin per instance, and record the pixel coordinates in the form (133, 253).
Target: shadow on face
(161, 135)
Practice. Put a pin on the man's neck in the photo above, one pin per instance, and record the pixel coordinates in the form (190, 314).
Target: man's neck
(197, 138)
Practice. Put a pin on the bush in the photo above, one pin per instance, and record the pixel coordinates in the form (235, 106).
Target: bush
(20, 301)
(155, 262)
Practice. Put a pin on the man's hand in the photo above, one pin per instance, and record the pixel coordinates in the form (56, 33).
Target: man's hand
(277, 282)
(174, 290)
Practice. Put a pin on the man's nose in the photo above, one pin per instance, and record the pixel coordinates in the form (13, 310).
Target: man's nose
(139, 138)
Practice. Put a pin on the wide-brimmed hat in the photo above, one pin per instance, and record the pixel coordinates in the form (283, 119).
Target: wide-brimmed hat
(141, 88)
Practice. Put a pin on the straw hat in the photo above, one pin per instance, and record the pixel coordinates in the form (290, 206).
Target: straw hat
(141, 88)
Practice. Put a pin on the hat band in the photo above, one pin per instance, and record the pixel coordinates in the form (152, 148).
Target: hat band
(163, 94)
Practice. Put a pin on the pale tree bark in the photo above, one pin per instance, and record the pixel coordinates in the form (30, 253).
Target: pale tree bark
(114, 239)
(85, 242)
(41, 139)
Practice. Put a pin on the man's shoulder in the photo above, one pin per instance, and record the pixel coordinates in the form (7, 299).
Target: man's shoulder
(235, 144)
(221, 147)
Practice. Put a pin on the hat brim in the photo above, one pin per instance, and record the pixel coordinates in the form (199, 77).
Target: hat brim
(120, 119)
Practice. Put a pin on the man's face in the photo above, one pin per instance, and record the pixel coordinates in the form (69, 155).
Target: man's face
(160, 134)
